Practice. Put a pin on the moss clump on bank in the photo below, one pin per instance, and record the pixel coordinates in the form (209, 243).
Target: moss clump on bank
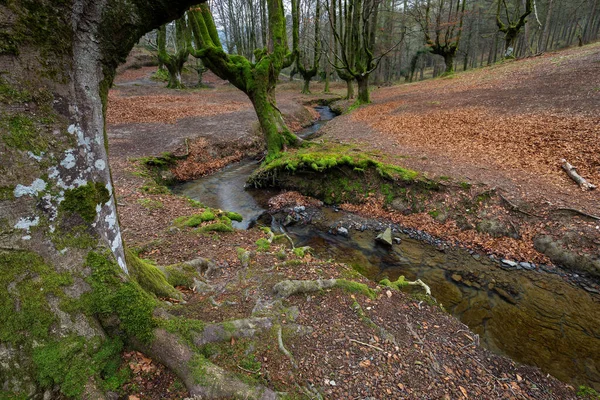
(338, 173)
(84, 199)
(222, 221)
(396, 285)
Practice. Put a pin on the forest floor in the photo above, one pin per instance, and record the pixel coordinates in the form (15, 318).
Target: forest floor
(504, 127)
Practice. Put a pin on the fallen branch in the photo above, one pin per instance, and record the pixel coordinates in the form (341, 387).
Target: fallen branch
(366, 344)
(572, 172)
(576, 211)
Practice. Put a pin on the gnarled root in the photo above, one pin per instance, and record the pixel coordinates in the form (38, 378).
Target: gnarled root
(201, 377)
(285, 289)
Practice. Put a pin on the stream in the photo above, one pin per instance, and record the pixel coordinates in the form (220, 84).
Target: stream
(533, 317)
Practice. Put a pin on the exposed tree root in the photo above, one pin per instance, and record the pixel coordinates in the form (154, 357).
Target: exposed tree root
(240, 328)
(201, 377)
(283, 349)
(287, 288)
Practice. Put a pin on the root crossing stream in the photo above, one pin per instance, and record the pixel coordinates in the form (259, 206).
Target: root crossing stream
(533, 317)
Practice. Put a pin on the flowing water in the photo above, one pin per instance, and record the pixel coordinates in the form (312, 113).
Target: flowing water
(533, 317)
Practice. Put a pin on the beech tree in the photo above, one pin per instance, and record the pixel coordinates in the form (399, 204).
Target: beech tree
(175, 61)
(442, 26)
(71, 295)
(354, 29)
(256, 79)
(306, 54)
(515, 20)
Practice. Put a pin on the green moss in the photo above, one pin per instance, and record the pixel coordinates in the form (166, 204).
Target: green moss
(299, 252)
(344, 174)
(33, 280)
(84, 199)
(164, 160)
(71, 362)
(234, 216)
(216, 227)
(207, 215)
(150, 277)
(77, 237)
(7, 193)
(22, 133)
(355, 287)
(396, 285)
(111, 295)
(151, 204)
(181, 275)
(10, 94)
(185, 327)
(161, 75)
(263, 244)
(68, 362)
(281, 255)
(195, 203)
(198, 366)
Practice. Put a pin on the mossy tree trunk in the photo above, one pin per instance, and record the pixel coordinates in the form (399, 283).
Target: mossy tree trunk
(363, 90)
(62, 260)
(513, 24)
(258, 79)
(443, 34)
(353, 28)
(175, 61)
(302, 57)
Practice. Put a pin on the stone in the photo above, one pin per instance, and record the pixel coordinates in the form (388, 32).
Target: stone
(385, 237)
(526, 265)
(299, 209)
(456, 277)
(509, 263)
(397, 240)
(342, 231)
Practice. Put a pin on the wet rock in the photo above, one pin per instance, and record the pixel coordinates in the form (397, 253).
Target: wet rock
(342, 231)
(456, 277)
(508, 263)
(385, 237)
(526, 265)
(505, 295)
(590, 289)
(397, 240)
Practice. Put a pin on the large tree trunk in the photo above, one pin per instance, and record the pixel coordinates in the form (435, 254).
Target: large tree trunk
(363, 90)
(58, 211)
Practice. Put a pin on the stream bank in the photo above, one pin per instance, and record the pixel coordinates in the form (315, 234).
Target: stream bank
(534, 317)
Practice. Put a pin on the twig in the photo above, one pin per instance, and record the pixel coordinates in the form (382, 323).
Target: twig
(514, 207)
(366, 344)
(579, 212)
(249, 371)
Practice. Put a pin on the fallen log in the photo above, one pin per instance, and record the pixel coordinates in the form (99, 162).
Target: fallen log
(572, 172)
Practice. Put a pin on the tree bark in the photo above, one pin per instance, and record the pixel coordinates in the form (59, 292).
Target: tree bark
(58, 209)
(363, 90)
